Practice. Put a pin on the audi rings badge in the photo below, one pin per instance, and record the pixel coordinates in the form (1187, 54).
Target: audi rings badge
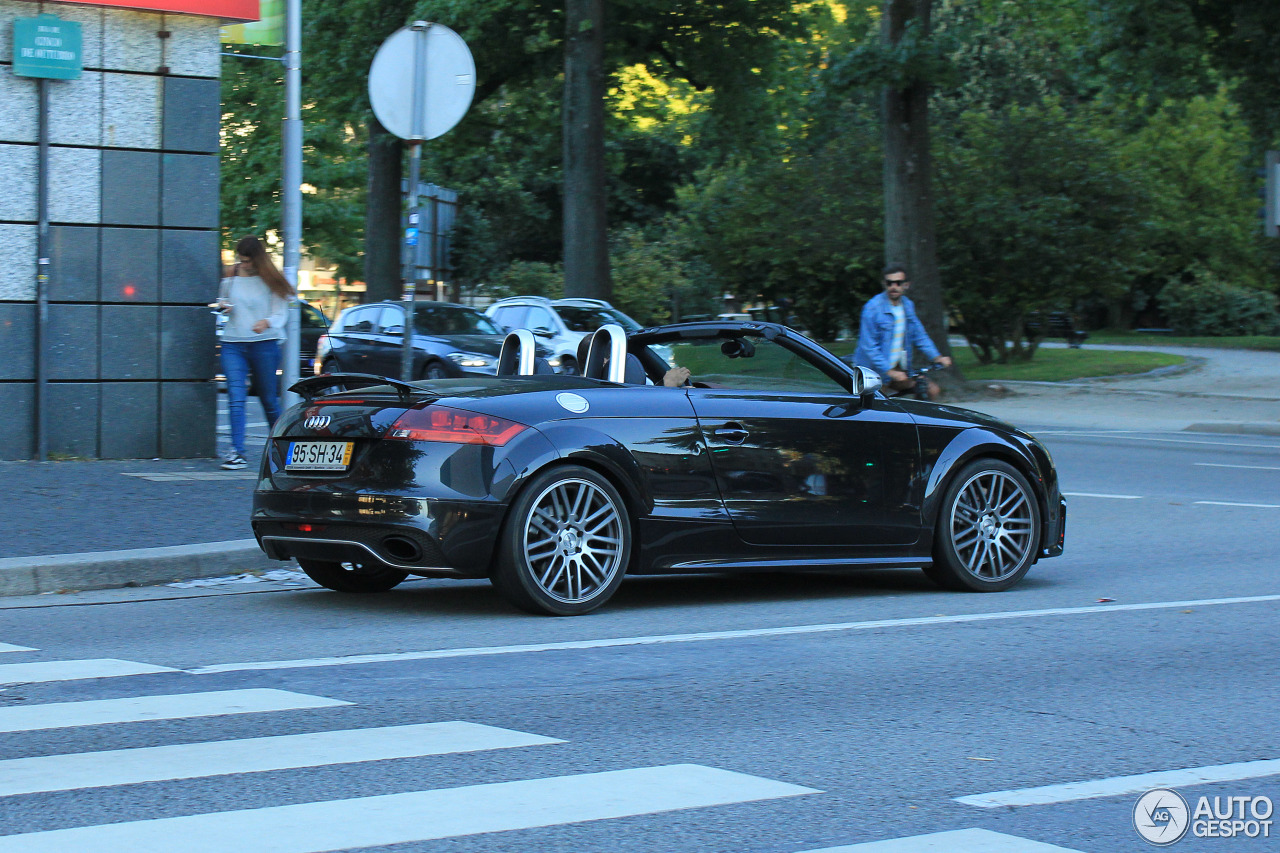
(316, 422)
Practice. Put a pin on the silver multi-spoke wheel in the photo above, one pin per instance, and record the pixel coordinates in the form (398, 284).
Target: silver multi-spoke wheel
(566, 545)
(991, 525)
(573, 540)
(988, 529)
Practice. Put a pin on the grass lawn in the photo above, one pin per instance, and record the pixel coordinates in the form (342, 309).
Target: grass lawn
(1052, 365)
(1258, 342)
(1056, 365)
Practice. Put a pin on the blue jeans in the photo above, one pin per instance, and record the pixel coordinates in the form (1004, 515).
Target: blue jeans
(238, 359)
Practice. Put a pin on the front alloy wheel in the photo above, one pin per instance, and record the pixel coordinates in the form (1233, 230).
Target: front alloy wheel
(566, 543)
(988, 529)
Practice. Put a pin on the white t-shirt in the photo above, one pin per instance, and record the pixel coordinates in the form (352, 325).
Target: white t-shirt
(897, 357)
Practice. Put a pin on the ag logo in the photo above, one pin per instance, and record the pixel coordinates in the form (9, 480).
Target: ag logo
(1161, 816)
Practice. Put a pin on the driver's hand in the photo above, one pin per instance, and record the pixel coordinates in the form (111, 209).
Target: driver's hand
(944, 360)
(898, 375)
(675, 377)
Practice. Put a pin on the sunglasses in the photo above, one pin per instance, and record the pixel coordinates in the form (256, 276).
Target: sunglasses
(897, 281)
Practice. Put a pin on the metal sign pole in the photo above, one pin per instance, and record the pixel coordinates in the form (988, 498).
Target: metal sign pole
(291, 192)
(42, 274)
(414, 231)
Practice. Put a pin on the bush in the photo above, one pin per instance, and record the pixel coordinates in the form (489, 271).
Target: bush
(1201, 304)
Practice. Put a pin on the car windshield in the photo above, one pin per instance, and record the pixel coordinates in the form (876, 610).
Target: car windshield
(452, 320)
(582, 319)
(751, 364)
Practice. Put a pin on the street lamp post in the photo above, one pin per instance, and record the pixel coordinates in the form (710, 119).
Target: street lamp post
(291, 188)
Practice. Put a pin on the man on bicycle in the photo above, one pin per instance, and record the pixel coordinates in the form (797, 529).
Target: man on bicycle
(889, 332)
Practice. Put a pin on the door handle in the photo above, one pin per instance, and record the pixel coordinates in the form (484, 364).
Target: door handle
(732, 433)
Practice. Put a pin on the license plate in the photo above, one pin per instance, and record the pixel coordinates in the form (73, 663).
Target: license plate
(318, 455)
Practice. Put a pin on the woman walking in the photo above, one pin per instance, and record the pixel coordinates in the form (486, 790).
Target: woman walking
(255, 296)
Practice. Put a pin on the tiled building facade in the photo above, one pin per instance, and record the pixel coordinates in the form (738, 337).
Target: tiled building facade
(133, 211)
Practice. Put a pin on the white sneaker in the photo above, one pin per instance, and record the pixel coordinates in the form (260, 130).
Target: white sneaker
(235, 462)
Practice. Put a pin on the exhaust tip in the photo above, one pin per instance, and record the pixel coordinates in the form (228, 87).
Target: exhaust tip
(402, 548)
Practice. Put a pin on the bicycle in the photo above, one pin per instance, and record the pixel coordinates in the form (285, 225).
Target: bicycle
(920, 387)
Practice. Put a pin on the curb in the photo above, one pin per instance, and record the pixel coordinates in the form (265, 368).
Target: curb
(136, 567)
(1234, 428)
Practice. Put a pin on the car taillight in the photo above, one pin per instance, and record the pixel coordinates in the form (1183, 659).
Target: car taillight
(440, 423)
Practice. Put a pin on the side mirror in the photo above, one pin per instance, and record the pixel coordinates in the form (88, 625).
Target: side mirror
(543, 332)
(866, 381)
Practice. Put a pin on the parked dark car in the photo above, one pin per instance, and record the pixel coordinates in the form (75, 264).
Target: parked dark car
(448, 341)
(777, 457)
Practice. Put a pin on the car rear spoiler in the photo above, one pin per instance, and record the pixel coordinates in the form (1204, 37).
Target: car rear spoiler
(311, 387)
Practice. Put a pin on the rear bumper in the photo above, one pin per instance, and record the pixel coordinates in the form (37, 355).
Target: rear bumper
(417, 535)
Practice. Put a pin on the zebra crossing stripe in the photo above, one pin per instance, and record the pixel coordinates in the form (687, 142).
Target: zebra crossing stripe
(420, 815)
(5, 647)
(968, 840)
(62, 715)
(1117, 785)
(252, 755)
(73, 670)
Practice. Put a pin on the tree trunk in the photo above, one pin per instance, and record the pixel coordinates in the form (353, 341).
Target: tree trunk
(382, 216)
(586, 247)
(910, 235)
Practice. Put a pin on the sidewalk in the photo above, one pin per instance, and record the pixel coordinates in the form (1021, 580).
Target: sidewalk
(1218, 390)
(146, 522)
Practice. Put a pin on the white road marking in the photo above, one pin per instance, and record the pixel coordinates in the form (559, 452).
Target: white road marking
(1099, 495)
(1162, 440)
(1117, 785)
(62, 715)
(1250, 467)
(956, 841)
(420, 815)
(73, 670)
(746, 633)
(5, 647)
(1232, 503)
(251, 755)
(167, 477)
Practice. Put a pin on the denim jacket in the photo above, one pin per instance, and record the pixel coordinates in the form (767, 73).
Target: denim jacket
(875, 335)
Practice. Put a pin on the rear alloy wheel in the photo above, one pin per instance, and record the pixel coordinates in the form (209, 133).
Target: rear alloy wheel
(565, 545)
(352, 577)
(435, 370)
(988, 529)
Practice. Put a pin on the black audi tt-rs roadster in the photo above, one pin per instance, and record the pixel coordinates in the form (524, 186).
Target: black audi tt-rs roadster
(774, 455)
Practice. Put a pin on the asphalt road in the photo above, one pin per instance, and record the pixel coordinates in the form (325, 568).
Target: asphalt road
(840, 710)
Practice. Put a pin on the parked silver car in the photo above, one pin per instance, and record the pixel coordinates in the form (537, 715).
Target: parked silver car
(559, 323)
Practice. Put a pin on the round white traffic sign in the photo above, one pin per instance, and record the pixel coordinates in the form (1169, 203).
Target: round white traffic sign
(445, 80)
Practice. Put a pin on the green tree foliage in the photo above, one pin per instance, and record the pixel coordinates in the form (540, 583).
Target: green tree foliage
(1037, 213)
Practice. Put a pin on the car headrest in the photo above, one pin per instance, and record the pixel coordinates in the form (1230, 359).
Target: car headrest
(634, 371)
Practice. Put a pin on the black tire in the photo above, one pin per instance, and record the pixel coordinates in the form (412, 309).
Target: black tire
(988, 530)
(352, 577)
(434, 370)
(565, 544)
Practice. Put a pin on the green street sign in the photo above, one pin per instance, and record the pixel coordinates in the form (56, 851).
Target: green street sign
(47, 46)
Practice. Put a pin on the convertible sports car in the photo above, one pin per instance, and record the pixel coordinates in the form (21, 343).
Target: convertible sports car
(776, 456)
